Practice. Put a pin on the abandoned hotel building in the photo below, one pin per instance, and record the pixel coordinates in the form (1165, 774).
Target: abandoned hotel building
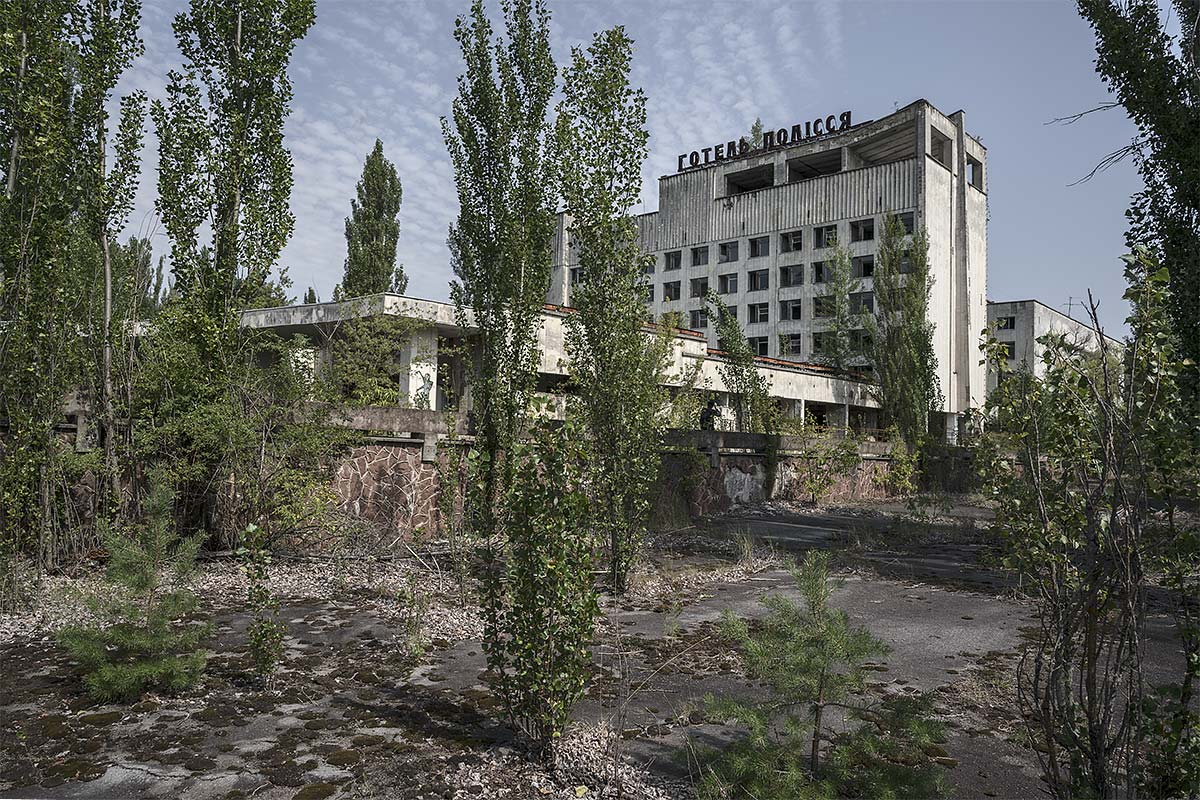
(756, 224)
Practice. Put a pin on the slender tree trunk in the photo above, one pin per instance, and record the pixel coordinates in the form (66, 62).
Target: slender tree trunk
(818, 711)
(16, 142)
(108, 422)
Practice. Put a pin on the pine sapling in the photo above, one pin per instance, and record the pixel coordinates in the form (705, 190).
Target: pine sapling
(143, 640)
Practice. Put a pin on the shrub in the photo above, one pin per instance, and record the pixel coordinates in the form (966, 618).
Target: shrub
(142, 641)
(265, 634)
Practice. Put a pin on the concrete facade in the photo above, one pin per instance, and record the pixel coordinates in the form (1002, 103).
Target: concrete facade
(1018, 325)
(805, 391)
(762, 219)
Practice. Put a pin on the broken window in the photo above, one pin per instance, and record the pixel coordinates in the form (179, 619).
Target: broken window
(671, 291)
(759, 280)
(975, 173)
(575, 275)
(699, 287)
(908, 221)
(757, 312)
(760, 246)
(819, 271)
(650, 293)
(795, 343)
(672, 260)
(863, 266)
(726, 252)
(825, 236)
(699, 256)
(727, 284)
(862, 230)
(823, 306)
(791, 276)
(699, 320)
(748, 180)
(790, 309)
(940, 147)
(1010, 350)
(862, 302)
(758, 344)
(791, 242)
(1006, 323)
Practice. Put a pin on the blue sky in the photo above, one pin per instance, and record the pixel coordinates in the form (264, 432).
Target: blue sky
(387, 68)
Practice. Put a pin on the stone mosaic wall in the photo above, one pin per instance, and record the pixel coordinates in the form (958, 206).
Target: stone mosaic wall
(390, 488)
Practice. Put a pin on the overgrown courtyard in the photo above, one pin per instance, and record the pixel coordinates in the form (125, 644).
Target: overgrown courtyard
(378, 696)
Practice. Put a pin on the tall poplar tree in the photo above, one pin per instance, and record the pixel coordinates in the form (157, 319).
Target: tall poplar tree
(902, 333)
(839, 350)
(221, 154)
(50, 72)
(372, 230)
(615, 364)
(108, 43)
(1156, 77)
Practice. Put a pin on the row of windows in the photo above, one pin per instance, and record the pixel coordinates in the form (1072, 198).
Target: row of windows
(862, 230)
(822, 307)
(793, 344)
(759, 280)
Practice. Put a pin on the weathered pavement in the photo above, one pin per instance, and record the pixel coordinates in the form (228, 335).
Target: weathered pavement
(353, 715)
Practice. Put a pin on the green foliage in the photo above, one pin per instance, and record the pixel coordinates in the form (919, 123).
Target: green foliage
(749, 390)
(840, 349)
(823, 458)
(901, 333)
(541, 600)
(813, 659)
(1087, 511)
(616, 366)
(1153, 75)
(366, 369)
(265, 634)
(372, 230)
(221, 153)
(143, 640)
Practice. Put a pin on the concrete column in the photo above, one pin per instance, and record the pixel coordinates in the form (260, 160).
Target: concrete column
(841, 416)
(418, 375)
(803, 410)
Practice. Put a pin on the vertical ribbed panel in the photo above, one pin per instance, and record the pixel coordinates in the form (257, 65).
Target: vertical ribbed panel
(688, 214)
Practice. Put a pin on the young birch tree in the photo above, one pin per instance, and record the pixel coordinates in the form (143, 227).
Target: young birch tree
(902, 334)
(615, 363)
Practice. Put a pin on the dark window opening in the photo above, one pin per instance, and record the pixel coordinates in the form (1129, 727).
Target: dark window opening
(758, 280)
(791, 242)
(795, 343)
(975, 173)
(699, 287)
(699, 320)
(815, 165)
(1007, 324)
(576, 275)
(727, 284)
(671, 291)
(757, 312)
(819, 275)
(672, 260)
(1010, 350)
(790, 309)
(863, 266)
(823, 306)
(760, 246)
(825, 236)
(862, 230)
(758, 344)
(862, 301)
(726, 252)
(699, 256)
(940, 147)
(791, 276)
(749, 180)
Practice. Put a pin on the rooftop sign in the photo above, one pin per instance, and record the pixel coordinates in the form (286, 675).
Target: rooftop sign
(771, 139)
